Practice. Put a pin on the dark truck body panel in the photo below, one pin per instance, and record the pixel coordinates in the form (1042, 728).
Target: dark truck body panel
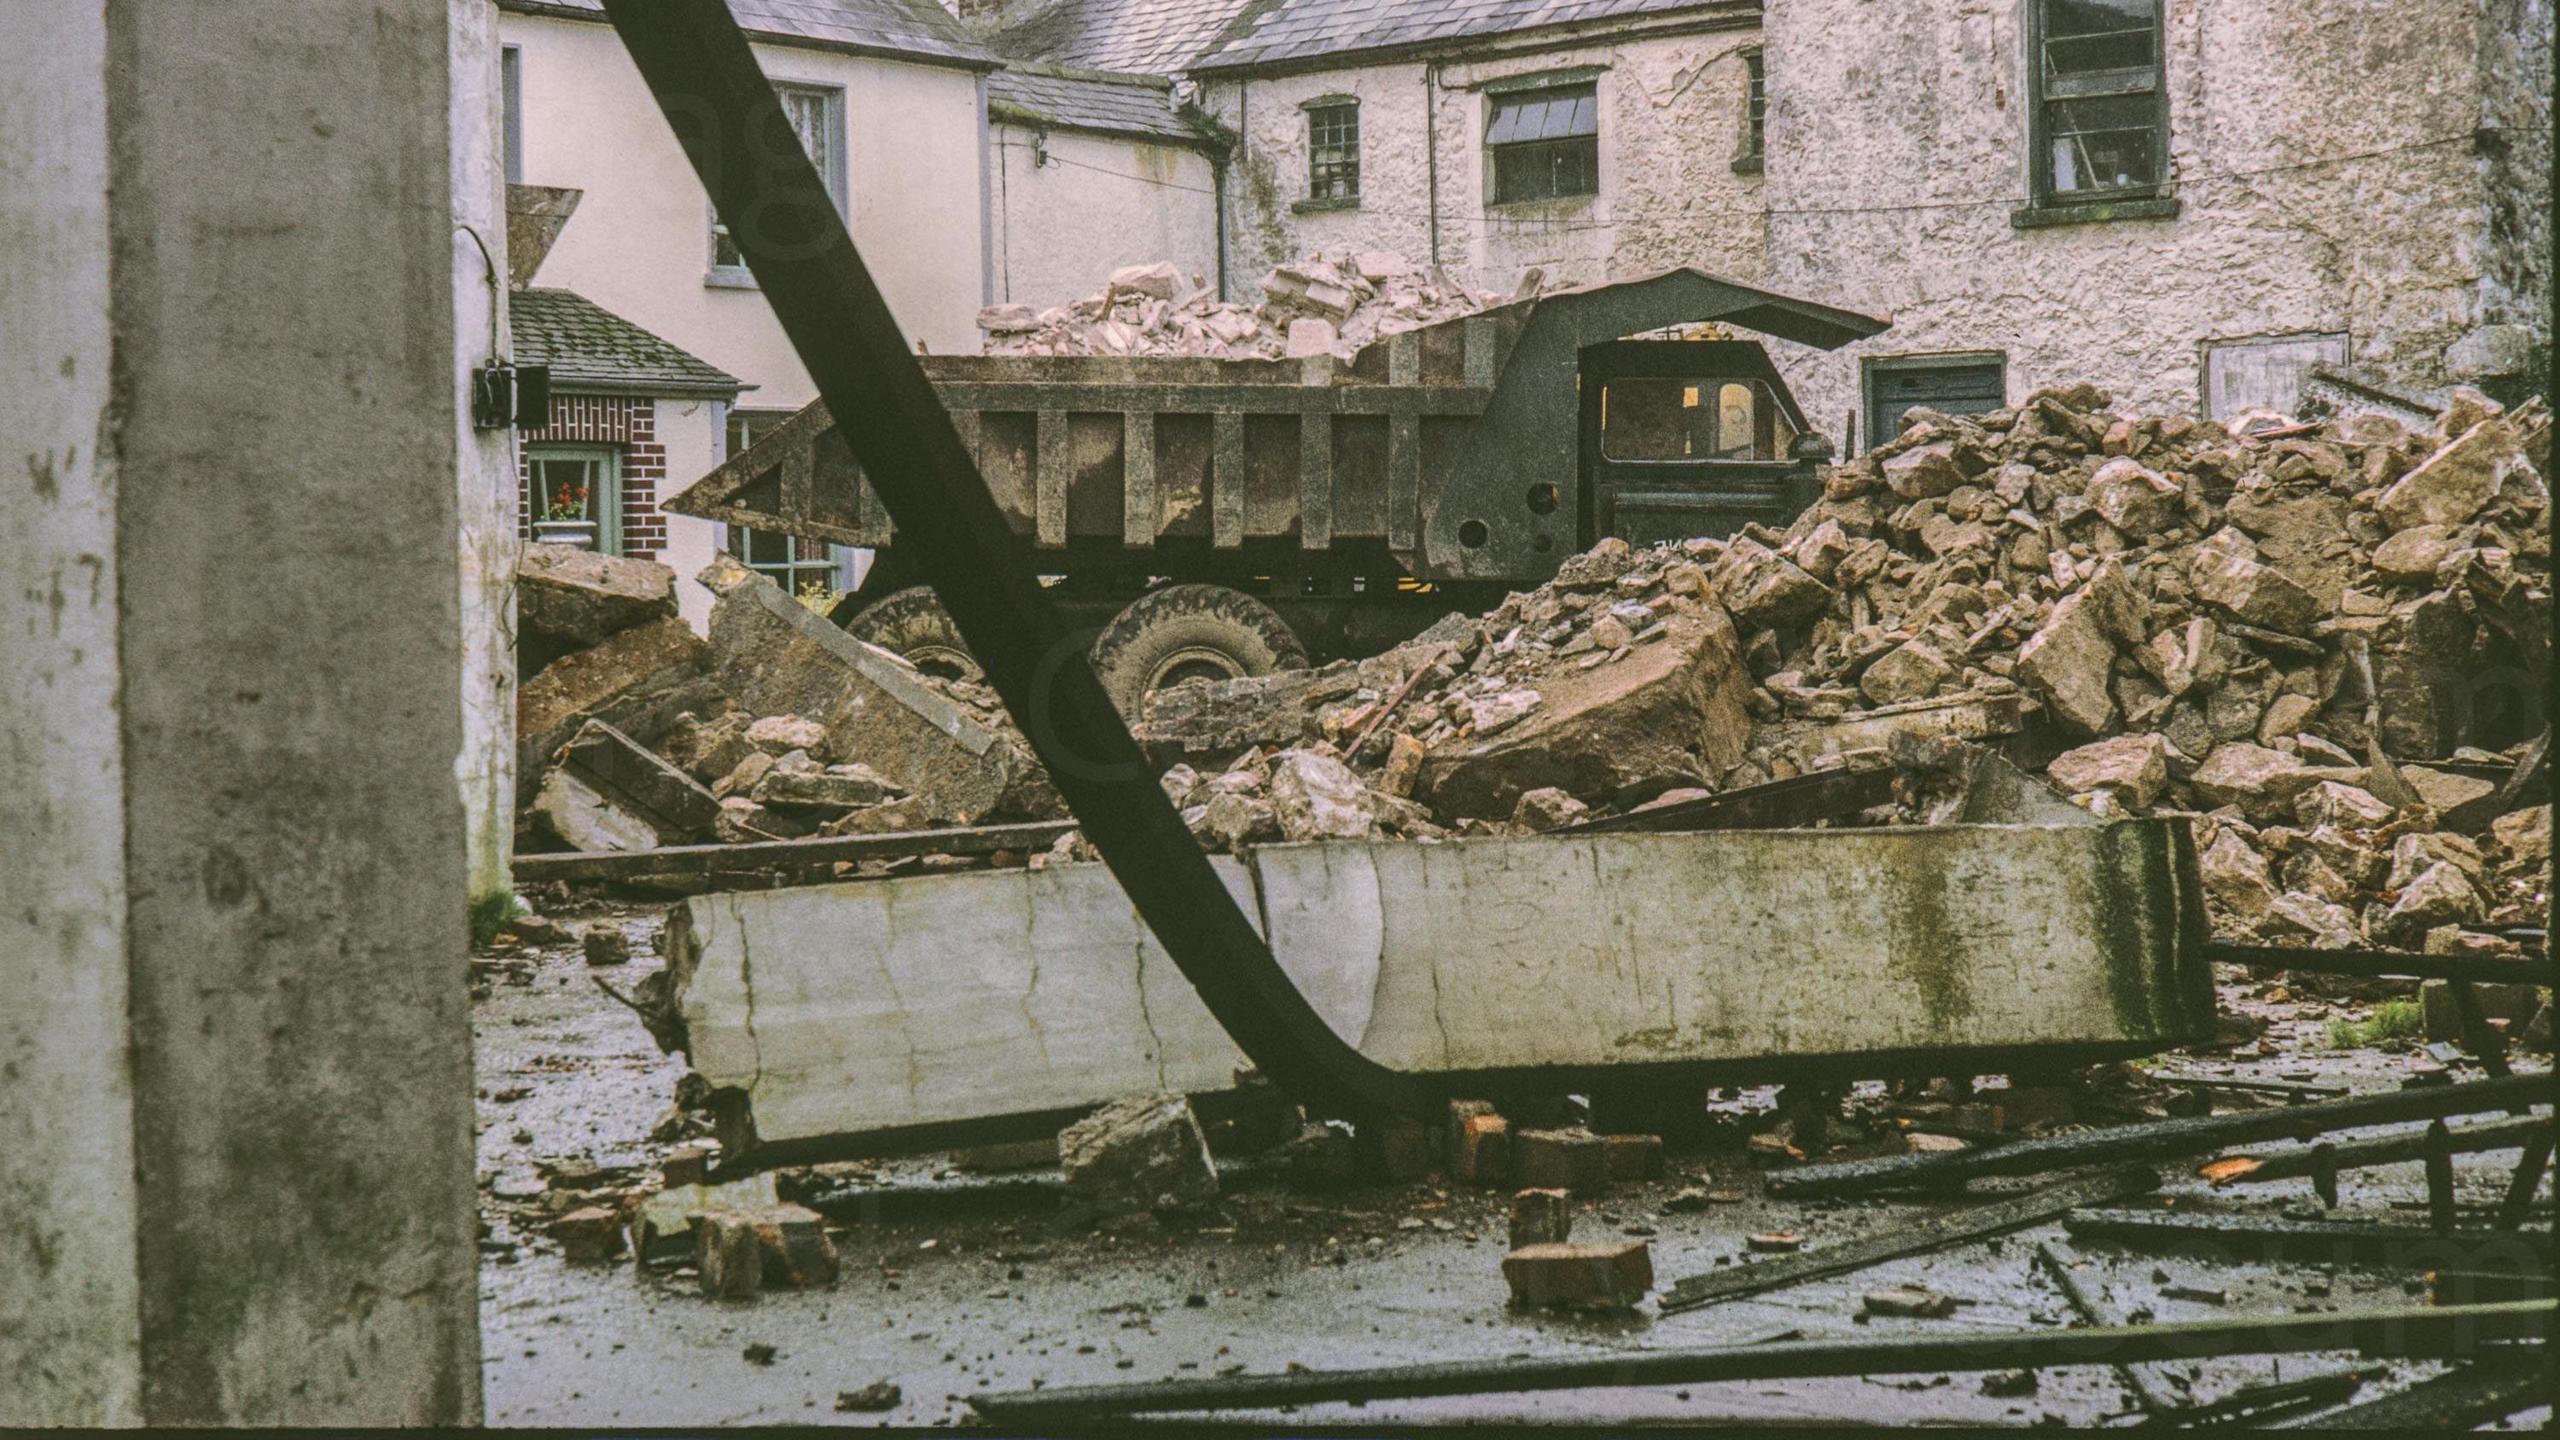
(1437, 466)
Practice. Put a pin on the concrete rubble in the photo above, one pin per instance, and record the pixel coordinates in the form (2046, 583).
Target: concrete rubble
(638, 735)
(1316, 306)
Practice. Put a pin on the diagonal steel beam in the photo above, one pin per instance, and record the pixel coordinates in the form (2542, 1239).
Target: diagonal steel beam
(696, 62)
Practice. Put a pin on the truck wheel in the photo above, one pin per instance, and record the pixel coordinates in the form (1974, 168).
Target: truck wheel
(912, 623)
(1190, 632)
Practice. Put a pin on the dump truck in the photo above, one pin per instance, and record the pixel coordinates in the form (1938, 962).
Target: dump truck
(1221, 517)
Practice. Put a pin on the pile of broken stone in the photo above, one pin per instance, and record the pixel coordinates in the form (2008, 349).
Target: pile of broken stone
(2263, 629)
(1315, 306)
(636, 734)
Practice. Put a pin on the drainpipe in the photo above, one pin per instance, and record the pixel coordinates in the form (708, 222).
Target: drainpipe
(1431, 153)
(1218, 188)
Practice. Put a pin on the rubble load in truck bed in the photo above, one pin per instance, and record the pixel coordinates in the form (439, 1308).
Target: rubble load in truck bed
(1315, 306)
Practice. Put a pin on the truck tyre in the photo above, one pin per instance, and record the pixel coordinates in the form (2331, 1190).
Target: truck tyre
(1190, 632)
(912, 623)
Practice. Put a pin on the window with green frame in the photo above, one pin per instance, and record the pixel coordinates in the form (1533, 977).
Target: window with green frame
(1544, 144)
(588, 476)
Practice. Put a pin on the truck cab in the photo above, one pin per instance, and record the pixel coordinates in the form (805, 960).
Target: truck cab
(1682, 438)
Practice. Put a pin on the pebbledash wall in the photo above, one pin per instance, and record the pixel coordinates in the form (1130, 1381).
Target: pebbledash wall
(647, 431)
(2334, 165)
(1673, 101)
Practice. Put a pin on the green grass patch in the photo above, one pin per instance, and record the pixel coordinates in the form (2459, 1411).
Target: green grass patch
(490, 914)
(2390, 1020)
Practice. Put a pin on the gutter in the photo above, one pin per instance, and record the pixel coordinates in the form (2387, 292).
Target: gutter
(981, 64)
(1490, 46)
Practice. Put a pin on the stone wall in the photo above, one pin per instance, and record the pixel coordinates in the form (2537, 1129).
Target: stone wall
(1671, 123)
(2324, 169)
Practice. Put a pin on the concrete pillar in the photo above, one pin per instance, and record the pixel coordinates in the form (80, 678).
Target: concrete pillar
(485, 469)
(235, 1143)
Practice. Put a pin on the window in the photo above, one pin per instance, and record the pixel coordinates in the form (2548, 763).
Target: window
(2266, 373)
(1658, 418)
(1967, 384)
(2101, 113)
(588, 477)
(1545, 144)
(511, 110)
(817, 114)
(793, 563)
(1333, 151)
(1755, 111)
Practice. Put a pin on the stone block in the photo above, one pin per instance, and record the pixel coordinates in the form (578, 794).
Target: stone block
(1479, 1144)
(2228, 575)
(1540, 1217)
(583, 817)
(647, 786)
(1923, 472)
(796, 1251)
(1317, 797)
(1671, 708)
(1547, 808)
(575, 598)
(637, 680)
(777, 657)
(727, 1255)
(2134, 767)
(1574, 1160)
(1583, 1277)
(2068, 662)
(1909, 672)
(2264, 783)
(1140, 1154)
(589, 1233)
(834, 790)
(1634, 1157)
(1764, 589)
(1400, 1148)
(2513, 1003)
(2450, 486)
(2134, 498)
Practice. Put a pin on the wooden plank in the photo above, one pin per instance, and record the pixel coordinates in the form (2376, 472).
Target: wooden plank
(1404, 482)
(1931, 1232)
(2398, 1330)
(2259, 1237)
(2093, 1309)
(2385, 964)
(1315, 481)
(1226, 480)
(1051, 474)
(2157, 1139)
(787, 854)
(2488, 1389)
(1763, 952)
(2362, 1154)
(1141, 508)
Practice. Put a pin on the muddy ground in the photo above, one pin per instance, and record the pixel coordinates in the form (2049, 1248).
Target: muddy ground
(947, 1295)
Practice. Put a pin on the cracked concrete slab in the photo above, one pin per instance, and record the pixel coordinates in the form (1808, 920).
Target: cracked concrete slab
(884, 1005)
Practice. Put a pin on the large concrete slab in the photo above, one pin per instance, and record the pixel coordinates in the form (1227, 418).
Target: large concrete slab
(1545, 962)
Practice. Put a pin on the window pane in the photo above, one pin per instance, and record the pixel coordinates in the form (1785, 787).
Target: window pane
(1544, 115)
(2105, 160)
(764, 549)
(1333, 152)
(1656, 418)
(810, 112)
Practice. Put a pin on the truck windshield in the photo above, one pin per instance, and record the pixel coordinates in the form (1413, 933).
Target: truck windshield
(1673, 418)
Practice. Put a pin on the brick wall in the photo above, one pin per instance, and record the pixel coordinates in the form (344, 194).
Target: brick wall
(628, 424)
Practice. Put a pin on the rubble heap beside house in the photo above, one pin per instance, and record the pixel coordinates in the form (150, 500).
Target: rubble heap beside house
(2170, 616)
(1314, 306)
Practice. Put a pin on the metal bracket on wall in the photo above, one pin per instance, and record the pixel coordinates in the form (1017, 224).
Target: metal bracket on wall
(697, 64)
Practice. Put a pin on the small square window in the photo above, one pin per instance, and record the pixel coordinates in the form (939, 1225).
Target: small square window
(578, 482)
(1333, 152)
(1545, 144)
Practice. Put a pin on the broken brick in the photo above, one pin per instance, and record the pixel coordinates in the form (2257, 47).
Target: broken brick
(1593, 1277)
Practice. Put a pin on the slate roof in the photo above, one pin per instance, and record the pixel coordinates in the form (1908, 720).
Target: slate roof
(910, 29)
(1147, 37)
(590, 348)
(1300, 29)
(1130, 105)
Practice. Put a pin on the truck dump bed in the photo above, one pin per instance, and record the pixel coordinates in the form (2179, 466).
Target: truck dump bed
(1433, 446)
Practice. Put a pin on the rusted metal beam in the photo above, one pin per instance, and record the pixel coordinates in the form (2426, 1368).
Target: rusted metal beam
(2260, 1237)
(706, 80)
(802, 854)
(2437, 1331)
